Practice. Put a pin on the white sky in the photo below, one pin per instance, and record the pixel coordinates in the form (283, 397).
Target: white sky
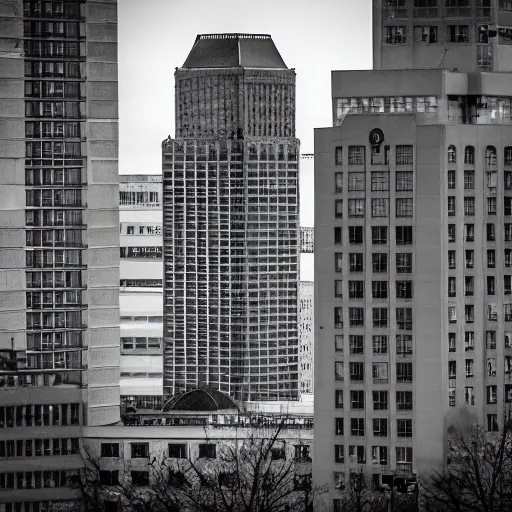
(155, 37)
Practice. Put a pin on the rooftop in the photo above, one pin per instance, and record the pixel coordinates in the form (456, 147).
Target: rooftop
(234, 50)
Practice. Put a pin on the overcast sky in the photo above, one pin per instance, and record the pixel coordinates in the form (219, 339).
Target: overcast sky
(155, 37)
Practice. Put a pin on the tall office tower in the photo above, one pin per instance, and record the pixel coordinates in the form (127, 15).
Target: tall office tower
(59, 241)
(140, 291)
(413, 242)
(231, 222)
(306, 360)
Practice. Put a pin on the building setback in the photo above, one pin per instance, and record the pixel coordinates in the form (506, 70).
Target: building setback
(413, 231)
(59, 242)
(231, 222)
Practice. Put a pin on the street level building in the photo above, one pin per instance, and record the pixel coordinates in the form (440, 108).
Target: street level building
(59, 243)
(413, 254)
(231, 225)
(140, 290)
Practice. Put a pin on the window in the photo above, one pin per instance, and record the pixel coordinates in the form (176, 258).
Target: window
(507, 284)
(425, 34)
(404, 400)
(490, 340)
(338, 209)
(140, 478)
(491, 206)
(177, 451)
(469, 313)
(338, 426)
(404, 319)
(492, 423)
(452, 369)
(380, 400)
(469, 180)
(403, 289)
(469, 206)
(451, 397)
(207, 451)
(356, 317)
(469, 367)
(338, 155)
(469, 395)
(357, 453)
(404, 428)
(379, 235)
(508, 258)
(451, 180)
(451, 206)
(379, 289)
(140, 450)
(491, 285)
(338, 343)
(404, 156)
(380, 318)
(109, 477)
(380, 181)
(357, 427)
(395, 35)
(356, 208)
(379, 262)
(338, 318)
(508, 232)
(380, 455)
(492, 395)
(110, 449)
(469, 156)
(338, 262)
(457, 34)
(338, 236)
(338, 288)
(380, 373)
(338, 399)
(404, 455)
(469, 232)
(404, 344)
(507, 207)
(404, 372)
(469, 341)
(380, 427)
(380, 344)
(356, 372)
(356, 262)
(356, 155)
(355, 235)
(492, 311)
(403, 235)
(507, 155)
(404, 263)
(356, 182)
(338, 182)
(490, 157)
(507, 311)
(356, 289)
(356, 399)
(404, 207)
(469, 257)
(452, 287)
(452, 155)
(452, 261)
(338, 370)
(452, 344)
(451, 232)
(380, 207)
(302, 453)
(491, 258)
(356, 344)
(339, 454)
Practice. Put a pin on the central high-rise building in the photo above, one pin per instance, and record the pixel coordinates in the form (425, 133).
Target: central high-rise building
(231, 215)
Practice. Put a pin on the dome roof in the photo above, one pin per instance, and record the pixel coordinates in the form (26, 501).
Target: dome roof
(234, 50)
(201, 400)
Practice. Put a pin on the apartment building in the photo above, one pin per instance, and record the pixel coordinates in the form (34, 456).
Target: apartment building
(59, 243)
(140, 290)
(413, 205)
(306, 353)
(231, 222)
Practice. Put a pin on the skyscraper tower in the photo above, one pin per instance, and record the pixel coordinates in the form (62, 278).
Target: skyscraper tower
(59, 241)
(413, 243)
(231, 250)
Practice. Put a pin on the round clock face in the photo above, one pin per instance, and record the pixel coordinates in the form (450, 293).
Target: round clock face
(376, 137)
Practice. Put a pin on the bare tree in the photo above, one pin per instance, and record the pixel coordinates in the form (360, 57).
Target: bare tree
(477, 476)
(248, 475)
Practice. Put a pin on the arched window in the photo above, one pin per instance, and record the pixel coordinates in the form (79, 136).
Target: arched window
(452, 154)
(469, 155)
(490, 157)
(507, 155)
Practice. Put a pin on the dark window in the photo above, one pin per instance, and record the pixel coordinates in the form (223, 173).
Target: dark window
(338, 155)
(403, 235)
(380, 400)
(404, 428)
(457, 34)
(338, 235)
(356, 289)
(357, 399)
(302, 453)
(357, 426)
(404, 372)
(109, 477)
(356, 371)
(177, 451)
(380, 317)
(110, 449)
(380, 262)
(355, 235)
(356, 343)
(140, 478)
(379, 235)
(207, 451)
(356, 262)
(380, 427)
(404, 400)
(140, 450)
(379, 289)
(338, 426)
